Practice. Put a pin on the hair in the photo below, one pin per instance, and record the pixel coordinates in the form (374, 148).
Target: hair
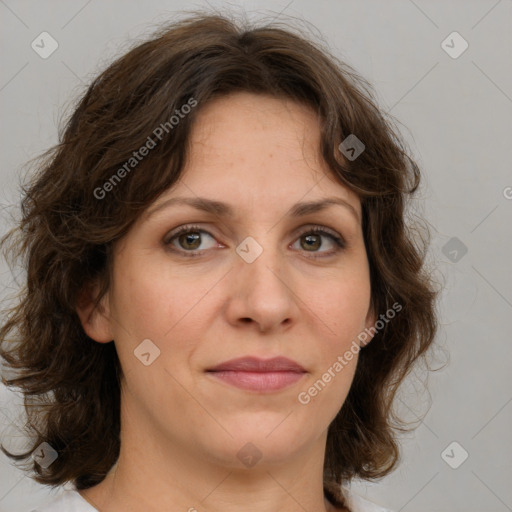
(71, 384)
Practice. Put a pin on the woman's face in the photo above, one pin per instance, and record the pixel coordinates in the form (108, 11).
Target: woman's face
(247, 278)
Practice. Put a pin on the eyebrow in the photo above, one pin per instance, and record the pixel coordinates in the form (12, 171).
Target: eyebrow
(225, 210)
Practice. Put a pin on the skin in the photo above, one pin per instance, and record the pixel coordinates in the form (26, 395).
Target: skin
(181, 427)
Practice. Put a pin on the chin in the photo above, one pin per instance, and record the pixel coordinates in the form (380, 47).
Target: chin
(261, 444)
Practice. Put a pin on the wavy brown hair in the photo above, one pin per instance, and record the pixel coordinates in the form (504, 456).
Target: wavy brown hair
(71, 384)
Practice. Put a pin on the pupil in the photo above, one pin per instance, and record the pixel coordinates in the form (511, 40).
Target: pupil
(191, 237)
(313, 238)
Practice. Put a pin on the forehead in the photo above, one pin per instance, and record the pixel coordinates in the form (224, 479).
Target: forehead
(247, 118)
(258, 147)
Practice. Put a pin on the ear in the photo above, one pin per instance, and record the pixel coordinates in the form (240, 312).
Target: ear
(95, 321)
(370, 320)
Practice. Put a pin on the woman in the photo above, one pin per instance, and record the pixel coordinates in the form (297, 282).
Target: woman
(222, 294)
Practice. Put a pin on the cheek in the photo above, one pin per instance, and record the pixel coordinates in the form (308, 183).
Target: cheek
(146, 307)
(340, 308)
(326, 389)
(150, 303)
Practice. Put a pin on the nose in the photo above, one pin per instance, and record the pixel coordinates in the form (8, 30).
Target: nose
(261, 293)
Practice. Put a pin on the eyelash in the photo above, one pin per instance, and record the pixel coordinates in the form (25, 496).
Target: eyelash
(339, 241)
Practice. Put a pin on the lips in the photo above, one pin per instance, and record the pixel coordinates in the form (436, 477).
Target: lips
(259, 375)
(254, 364)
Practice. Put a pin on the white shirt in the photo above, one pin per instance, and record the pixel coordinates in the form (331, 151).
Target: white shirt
(69, 500)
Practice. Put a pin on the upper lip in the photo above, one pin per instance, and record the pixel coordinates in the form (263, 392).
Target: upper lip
(255, 364)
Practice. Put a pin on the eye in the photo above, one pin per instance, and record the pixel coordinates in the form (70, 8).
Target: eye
(311, 241)
(188, 239)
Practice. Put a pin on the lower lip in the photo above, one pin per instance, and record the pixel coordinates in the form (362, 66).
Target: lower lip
(259, 381)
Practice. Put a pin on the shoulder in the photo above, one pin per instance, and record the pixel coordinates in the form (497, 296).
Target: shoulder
(357, 503)
(68, 500)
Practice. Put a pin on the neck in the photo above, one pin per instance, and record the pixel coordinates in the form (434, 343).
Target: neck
(134, 484)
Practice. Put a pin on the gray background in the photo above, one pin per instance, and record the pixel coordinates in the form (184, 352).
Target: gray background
(457, 117)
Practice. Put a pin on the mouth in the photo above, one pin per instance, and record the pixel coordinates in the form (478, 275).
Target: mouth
(260, 375)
